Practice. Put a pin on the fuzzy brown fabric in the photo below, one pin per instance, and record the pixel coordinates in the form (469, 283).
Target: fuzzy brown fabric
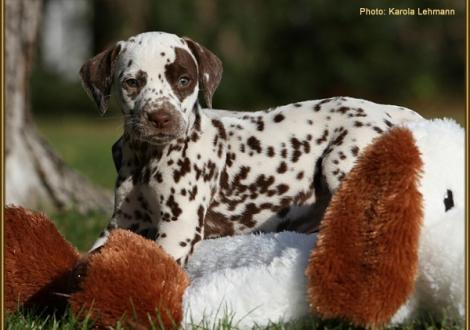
(365, 262)
(37, 261)
(131, 279)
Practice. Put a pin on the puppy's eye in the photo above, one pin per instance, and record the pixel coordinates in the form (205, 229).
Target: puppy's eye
(132, 83)
(449, 200)
(183, 81)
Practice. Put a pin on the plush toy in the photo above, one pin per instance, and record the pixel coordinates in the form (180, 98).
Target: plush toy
(392, 241)
(390, 249)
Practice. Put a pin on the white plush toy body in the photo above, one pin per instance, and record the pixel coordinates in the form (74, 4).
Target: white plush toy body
(258, 279)
(440, 286)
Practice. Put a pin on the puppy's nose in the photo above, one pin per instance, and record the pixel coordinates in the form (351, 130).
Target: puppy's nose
(159, 118)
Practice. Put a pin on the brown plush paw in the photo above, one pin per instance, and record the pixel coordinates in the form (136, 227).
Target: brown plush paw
(37, 261)
(133, 281)
(364, 265)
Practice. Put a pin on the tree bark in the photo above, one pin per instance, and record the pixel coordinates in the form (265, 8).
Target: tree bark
(35, 176)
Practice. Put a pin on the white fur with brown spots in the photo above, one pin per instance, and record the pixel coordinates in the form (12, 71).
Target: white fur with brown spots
(187, 173)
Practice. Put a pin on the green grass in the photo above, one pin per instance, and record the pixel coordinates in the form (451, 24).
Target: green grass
(80, 230)
(85, 144)
(35, 321)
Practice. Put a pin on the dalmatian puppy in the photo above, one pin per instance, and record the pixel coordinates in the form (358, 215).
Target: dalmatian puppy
(187, 173)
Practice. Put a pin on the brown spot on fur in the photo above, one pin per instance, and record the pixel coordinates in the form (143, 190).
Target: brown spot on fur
(284, 153)
(339, 139)
(184, 167)
(194, 136)
(343, 110)
(282, 188)
(317, 106)
(220, 128)
(282, 168)
(254, 144)
(263, 183)
(193, 193)
(174, 207)
(323, 137)
(306, 147)
(378, 129)
(200, 216)
(217, 225)
(278, 118)
(381, 203)
(358, 124)
(182, 65)
(271, 152)
(231, 156)
(197, 238)
(355, 150)
(158, 176)
(295, 143)
(296, 155)
(224, 180)
(247, 217)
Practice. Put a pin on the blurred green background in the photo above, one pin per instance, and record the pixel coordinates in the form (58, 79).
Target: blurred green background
(274, 52)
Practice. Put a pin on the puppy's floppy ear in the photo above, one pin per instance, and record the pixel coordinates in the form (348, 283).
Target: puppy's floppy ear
(97, 76)
(210, 69)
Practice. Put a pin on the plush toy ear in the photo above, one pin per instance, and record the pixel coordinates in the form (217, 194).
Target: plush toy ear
(97, 76)
(209, 67)
(365, 263)
(133, 281)
(38, 262)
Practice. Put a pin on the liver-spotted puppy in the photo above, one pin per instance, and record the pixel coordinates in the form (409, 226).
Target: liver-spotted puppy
(186, 174)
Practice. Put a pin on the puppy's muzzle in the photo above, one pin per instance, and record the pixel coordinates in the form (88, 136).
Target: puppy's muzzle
(163, 121)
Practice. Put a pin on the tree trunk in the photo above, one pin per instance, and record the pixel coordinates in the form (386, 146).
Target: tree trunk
(35, 176)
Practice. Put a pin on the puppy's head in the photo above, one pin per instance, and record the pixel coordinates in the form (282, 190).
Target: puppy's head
(158, 77)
